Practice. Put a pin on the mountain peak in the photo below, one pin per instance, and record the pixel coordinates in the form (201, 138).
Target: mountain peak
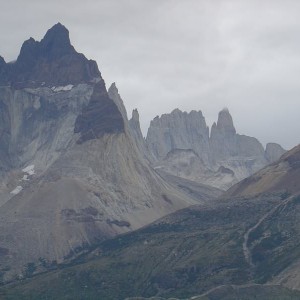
(225, 121)
(57, 31)
(113, 86)
(56, 42)
(135, 115)
(52, 61)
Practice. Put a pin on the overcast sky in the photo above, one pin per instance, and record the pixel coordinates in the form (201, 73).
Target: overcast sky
(188, 54)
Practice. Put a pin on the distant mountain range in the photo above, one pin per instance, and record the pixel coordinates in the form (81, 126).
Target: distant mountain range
(180, 143)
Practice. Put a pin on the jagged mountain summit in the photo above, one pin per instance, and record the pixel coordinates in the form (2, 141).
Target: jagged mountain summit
(71, 174)
(181, 144)
(51, 62)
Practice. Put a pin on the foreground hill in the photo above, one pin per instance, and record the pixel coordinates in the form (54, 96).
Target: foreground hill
(235, 248)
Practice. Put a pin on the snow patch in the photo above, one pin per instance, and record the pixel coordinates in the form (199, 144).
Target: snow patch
(17, 190)
(25, 178)
(29, 170)
(62, 88)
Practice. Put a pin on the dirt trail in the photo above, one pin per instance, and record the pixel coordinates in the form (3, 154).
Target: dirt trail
(246, 249)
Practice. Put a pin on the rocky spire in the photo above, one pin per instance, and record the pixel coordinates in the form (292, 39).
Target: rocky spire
(113, 94)
(225, 122)
(134, 124)
(136, 133)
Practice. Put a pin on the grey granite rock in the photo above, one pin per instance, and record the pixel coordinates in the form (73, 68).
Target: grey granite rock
(178, 130)
(273, 152)
(172, 137)
(113, 94)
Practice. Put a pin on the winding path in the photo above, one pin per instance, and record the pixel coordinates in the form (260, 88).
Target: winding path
(246, 249)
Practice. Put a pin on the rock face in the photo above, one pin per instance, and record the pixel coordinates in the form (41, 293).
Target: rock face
(70, 171)
(273, 152)
(226, 143)
(132, 126)
(113, 94)
(178, 130)
(99, 117)
(219, 159)
(136, 133)
(242, 154)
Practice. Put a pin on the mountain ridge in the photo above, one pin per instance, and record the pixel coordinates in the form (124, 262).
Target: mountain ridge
(71, 174)
(221, 149)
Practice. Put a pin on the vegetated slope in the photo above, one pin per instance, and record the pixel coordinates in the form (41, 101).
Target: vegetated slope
(248, 292)
(185, 254)
(71, 174)
(202, 249)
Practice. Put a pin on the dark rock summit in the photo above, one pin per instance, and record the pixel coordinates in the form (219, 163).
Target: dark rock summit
(56, 43)
(100, 116)
(51, 62)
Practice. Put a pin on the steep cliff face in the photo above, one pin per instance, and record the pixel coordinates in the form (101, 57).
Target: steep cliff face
(220, 160)
(242, 154)
(71, 174)
(226, 143)
(47, 90)
(273, 152)
(136, 133)
(113, 94)
(178, 130)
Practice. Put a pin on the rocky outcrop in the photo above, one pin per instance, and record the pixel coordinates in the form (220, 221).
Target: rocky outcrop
(99, 117)
(113, 94)
(182, 146)
(273, 152)
(178, 130)
(226, 143)
(134, 124)
(136, 133)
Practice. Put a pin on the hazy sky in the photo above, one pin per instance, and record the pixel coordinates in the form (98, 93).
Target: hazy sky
(188, 54)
